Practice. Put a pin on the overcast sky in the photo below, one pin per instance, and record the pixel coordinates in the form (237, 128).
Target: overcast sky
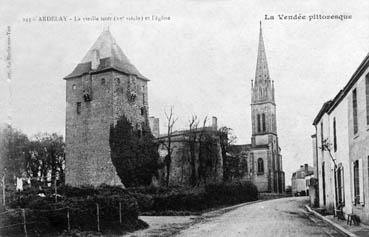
(201, 61)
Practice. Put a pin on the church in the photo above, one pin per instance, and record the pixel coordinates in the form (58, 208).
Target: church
(260, 162)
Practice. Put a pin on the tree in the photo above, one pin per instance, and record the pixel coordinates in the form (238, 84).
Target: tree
(13, 147)
(133, 152)
(191, 140)
(327, 146)
(45, 154)
(227, 139)
(168, 143)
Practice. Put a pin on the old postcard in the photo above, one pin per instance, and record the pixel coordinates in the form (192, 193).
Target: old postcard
(184, 118)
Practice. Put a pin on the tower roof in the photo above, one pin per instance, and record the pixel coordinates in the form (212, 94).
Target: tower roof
(262, 71)
(107, 54)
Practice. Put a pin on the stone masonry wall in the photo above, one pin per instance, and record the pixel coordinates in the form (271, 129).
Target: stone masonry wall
(88, 160)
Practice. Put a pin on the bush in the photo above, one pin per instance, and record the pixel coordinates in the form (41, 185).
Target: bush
(183, 200)
(44, 215)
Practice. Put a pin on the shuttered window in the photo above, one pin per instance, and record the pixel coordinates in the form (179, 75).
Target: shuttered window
(356, 182)
(367, 97)
(263, 118)
(259, 127)
(354, 110)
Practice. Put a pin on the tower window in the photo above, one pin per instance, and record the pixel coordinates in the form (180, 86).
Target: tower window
(263, 118)
(258, 118)
(78, 108)
(102, 81)
(260, 166)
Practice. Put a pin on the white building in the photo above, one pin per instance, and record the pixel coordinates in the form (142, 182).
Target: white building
(342, 147)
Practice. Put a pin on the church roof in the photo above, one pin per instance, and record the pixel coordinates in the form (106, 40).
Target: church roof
(110, 56)
(262, 71)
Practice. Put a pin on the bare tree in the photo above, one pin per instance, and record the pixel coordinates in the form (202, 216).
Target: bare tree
(171, 120)
(327, 146)
(192, 138)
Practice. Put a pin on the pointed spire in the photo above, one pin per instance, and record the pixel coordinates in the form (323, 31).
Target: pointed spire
(262, 71)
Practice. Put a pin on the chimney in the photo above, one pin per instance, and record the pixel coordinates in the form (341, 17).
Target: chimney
(95, 59)
(214, 123)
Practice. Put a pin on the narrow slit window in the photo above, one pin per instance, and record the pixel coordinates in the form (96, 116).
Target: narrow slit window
(79, 108)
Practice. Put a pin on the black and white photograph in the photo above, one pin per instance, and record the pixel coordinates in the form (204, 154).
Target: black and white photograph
(184, 118)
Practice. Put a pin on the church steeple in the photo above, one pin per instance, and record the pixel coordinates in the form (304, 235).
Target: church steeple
(262, 86)
(262, 95)
(262, 71)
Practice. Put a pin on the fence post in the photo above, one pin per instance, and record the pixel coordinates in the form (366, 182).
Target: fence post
(120, 212)
(98, 217)
(24, 222)
(68, 219)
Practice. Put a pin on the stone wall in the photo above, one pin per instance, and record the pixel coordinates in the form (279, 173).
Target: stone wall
(88, 160)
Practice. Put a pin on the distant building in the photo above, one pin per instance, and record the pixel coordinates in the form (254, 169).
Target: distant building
(300, 180)
(207, 162)
(103, 87)
(343, 168)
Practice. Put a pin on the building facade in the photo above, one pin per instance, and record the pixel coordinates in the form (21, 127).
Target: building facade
(342, 142)
(103, 87)
(300, 180)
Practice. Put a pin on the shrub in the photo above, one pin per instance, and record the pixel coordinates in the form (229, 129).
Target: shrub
(44, 215)
(183, 200)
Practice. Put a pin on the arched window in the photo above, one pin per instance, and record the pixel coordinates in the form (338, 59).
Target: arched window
(259, 127)
(260, 166)
(102, 81)
(263, 118)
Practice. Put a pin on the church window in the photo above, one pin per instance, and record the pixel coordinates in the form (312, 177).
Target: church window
(354, 110)
(334, 135)
(74, 87)
(117, 81)
(260, 166)
(102, 81)
(258, 118)
(78, 107)
(263, 118)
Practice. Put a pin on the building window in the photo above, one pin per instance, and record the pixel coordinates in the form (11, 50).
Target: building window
(367, 97)
(259, 128)
(340, 188)
(263, 118)
(117, 81)
(260, 166)
(321, 134)
(356, 182)
(142, 111)
(323, 178)
(354, 110)
(78, 107)
(74, 87)
(334, 135)
(102, 81)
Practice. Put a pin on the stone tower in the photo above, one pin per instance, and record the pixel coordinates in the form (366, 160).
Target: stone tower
(265, 152)
(102, 87)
